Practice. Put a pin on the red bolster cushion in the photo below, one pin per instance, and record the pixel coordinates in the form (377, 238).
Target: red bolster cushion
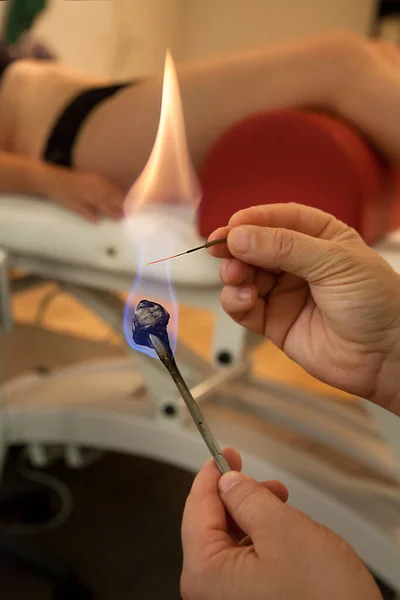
(297, 156)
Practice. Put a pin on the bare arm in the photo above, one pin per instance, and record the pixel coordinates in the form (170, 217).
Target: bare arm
(87, 194)
(25, 175)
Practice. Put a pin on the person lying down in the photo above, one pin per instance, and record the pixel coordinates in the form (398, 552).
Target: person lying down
(81, 141)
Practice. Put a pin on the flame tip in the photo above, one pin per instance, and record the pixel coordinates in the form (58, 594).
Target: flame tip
(169, 64)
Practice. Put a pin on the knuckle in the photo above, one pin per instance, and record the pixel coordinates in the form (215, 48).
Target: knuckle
(283, 243)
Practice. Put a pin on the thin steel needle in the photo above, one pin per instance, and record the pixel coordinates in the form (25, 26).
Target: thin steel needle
(207, 245)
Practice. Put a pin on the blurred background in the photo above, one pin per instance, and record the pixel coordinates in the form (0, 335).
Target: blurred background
(124, 38)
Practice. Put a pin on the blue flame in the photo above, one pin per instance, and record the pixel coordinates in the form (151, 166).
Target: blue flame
(142, 289)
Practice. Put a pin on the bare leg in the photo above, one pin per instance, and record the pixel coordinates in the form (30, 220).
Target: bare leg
(117, 138)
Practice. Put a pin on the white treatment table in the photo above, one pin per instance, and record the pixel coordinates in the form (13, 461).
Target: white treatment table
(92, 404)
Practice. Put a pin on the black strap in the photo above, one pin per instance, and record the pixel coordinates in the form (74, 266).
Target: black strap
(60, 144)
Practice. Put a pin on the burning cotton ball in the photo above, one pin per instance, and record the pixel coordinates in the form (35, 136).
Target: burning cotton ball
(150, 318)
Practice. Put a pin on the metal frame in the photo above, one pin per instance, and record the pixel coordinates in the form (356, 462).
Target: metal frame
(5, 305)
(93, 404)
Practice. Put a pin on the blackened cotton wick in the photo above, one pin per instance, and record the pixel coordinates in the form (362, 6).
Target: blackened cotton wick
(150, 318)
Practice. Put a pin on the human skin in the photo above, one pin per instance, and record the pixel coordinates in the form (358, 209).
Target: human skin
(309, 283)
(345, 74)
(286, 555)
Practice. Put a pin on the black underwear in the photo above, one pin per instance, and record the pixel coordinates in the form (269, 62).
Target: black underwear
(5, 58)
(60, 143)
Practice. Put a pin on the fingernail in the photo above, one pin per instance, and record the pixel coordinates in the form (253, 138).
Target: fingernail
(229, 480)
(242, 240)
(244, 294)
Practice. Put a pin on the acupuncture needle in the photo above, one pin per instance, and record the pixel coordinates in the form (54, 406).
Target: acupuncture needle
(207, 245)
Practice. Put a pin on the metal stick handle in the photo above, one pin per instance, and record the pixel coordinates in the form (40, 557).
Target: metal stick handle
(169, 362)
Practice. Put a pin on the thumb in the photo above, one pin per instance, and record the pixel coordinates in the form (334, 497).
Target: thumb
(248, 502)
(278, 248)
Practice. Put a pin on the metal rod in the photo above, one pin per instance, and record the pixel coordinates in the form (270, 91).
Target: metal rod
(209, 386)
(6, 318)
(169, 362)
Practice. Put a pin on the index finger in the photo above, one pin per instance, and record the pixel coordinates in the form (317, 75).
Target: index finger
(296, 217)
(204, 524)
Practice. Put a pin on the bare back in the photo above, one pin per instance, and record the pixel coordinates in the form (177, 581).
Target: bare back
(32, 96)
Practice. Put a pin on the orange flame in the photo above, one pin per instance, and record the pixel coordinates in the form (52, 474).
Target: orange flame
(160, 204)
(169, 176)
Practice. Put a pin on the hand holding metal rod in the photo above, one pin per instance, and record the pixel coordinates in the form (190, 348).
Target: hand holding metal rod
(149, 328)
